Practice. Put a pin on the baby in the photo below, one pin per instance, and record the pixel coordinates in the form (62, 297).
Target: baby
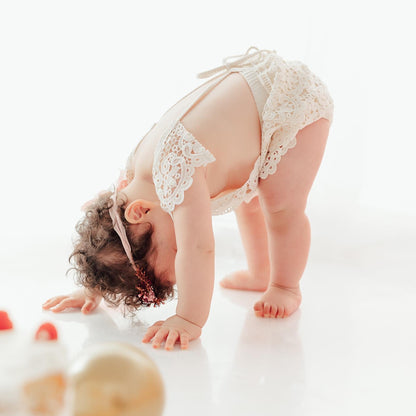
(222, 147)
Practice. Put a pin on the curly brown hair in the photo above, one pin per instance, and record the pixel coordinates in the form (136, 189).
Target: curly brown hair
(101, 264)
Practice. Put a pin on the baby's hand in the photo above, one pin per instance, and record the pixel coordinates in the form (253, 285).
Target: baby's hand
(87, 302)
(173, 329)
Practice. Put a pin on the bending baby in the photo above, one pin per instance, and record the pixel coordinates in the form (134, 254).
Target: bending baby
(249, 140)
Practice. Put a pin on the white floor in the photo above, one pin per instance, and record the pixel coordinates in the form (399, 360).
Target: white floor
(349, 350)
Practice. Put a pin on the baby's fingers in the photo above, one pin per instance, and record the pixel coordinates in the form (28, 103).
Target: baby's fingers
(171, 339)
(52, 302)
(184, 340)
(152, 331)
(65, 304)
(89, 306)
(160, 337)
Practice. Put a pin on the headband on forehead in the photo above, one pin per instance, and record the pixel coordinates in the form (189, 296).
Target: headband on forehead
(120, 229)
(146, 292)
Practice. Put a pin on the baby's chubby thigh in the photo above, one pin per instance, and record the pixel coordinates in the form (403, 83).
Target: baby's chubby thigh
(288, 188)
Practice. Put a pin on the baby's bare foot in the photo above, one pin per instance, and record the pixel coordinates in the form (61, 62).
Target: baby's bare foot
(243, 280)
(278, 302)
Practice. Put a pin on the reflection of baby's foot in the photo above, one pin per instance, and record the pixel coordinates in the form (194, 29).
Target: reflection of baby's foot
(243, 280)
(278, 302)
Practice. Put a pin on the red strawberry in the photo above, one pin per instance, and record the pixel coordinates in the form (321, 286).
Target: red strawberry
(46, 332)
(5, 322)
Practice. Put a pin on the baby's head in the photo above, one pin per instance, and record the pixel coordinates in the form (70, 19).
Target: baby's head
(100, 260)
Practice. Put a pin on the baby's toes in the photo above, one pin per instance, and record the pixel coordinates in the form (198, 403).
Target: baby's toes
(267, 308)
(259, 308)
(281, 312)
(273, 311)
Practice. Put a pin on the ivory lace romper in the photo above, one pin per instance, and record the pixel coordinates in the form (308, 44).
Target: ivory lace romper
(288, 97)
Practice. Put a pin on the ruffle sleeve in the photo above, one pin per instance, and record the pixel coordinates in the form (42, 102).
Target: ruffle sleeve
(176, 156)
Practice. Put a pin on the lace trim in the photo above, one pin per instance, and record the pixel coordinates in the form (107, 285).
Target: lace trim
(296, 100)
(232, 200)
(176, 157)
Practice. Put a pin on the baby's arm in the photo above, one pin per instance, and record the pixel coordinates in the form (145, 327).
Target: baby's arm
(194, 267)
(84, 299)
(194, 263)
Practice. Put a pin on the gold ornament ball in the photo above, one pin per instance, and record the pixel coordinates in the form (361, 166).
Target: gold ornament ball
(115, 379)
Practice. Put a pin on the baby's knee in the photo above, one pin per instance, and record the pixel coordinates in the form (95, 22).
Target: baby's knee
(282, 205)
(286, 217)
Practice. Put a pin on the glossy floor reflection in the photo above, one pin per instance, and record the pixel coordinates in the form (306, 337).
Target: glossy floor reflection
(349, 350)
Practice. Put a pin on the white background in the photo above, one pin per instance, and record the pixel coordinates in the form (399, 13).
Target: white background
(82, 81)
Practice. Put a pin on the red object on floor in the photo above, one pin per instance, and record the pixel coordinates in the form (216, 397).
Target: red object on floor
(5, 322)
(46, 332)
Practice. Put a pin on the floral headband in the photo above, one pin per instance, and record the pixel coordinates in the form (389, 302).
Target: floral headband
(146, 292)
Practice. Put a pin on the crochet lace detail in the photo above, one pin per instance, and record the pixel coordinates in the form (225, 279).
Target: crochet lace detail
(176, 157)
(297, 98)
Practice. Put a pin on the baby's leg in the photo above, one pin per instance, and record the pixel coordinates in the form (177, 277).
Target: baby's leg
(254, 237)
(283, 198)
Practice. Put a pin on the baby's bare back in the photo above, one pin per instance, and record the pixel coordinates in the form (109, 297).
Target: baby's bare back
(226, 122)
